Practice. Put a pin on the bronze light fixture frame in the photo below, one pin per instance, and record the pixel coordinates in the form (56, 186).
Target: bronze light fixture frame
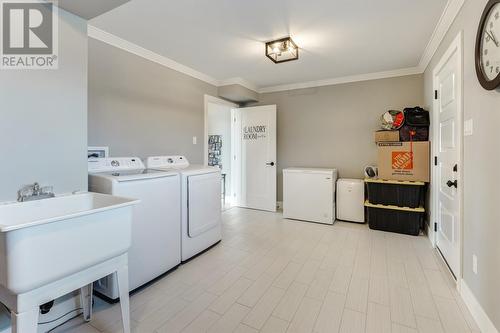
(283, 41)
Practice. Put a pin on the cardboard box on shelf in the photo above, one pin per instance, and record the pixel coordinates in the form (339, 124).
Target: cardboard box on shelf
(386, 136)
(404, 161)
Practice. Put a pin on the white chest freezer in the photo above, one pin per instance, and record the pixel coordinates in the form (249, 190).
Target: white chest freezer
(351, 200)
(309, 194)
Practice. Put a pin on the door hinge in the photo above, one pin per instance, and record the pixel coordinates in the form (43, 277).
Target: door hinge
(435, 94)
(435, 160)
(435, 227)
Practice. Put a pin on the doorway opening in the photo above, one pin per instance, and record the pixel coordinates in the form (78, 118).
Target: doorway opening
(242, 143)
(219, 144)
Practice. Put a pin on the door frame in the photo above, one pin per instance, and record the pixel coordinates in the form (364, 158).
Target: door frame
(236, 173)
(215, 100)
(456, 46)
(211, 99)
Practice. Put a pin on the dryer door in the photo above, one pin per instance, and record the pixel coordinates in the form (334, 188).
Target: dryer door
(204, 203)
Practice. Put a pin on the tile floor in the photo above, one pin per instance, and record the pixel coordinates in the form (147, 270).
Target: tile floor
(273, 275)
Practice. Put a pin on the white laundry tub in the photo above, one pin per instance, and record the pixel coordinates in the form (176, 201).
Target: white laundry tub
(46, 240)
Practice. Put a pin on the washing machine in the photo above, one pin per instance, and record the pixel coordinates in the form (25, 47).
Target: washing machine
(156, 245)
(351, 200)
(201, 225)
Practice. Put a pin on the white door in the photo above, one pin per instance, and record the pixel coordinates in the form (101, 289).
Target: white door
(255, 157)
(447, 183)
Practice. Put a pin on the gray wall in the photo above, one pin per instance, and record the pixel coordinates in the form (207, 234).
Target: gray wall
(43, 118)
(140, 108)
(333, 126)
(481, 160)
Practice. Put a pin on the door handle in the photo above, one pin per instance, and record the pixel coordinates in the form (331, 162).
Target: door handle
(270, 163)
(451, 184)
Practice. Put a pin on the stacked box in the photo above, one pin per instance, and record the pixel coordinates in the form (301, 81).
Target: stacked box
(396, 201)
(395, 206)
(395, 193)
(402, 220)
(386, 136)
(404, 161)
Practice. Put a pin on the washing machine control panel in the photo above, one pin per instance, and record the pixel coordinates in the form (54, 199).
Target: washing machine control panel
(173, 162)
(114, 164)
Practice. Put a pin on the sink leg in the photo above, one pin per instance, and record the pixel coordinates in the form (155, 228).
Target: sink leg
(25, 322)
(122, 275)
(86, 301)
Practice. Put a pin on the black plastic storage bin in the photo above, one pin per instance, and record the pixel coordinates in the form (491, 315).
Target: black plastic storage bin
(395, 219)
(395, 193)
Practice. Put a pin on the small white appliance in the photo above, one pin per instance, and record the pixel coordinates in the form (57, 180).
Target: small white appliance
(309, 194)
(97, 152)
(351, 200)
(156, 219)
(371, 171)
(201, 225)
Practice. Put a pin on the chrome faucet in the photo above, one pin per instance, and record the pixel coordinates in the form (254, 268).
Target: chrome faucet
(34, 192)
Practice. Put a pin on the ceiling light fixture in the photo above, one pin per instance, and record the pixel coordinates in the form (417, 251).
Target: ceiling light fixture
(282, 50)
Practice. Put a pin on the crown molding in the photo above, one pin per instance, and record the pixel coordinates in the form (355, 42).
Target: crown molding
(130, 47)
(344, 79)
(447, 18)
(125, 45)
(449, 14)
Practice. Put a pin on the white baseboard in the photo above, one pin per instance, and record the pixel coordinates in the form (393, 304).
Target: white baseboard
(431, 235)
(481, 318)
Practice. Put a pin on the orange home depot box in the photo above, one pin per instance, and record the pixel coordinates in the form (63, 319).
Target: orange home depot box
(404, 161)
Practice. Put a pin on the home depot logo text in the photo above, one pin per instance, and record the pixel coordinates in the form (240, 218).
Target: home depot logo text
(402, 160)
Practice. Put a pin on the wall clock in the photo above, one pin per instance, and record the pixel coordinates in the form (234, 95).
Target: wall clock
(488, 46)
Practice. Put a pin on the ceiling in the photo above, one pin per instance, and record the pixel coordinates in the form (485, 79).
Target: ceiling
(224, 39)
(89, 9)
